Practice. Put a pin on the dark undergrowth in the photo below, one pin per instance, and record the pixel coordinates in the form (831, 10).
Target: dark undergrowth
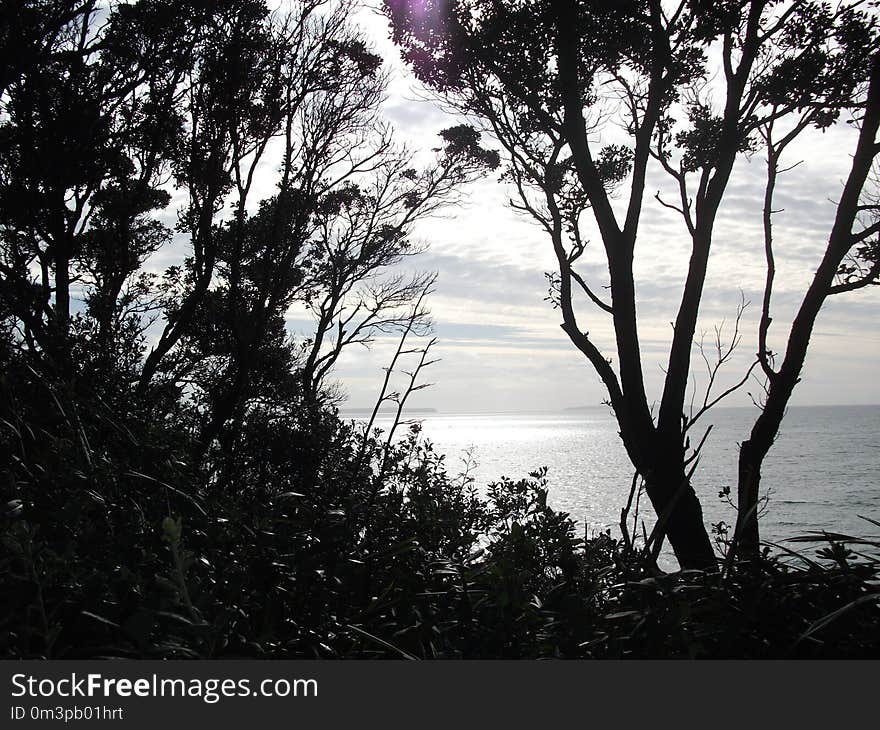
(305, 539)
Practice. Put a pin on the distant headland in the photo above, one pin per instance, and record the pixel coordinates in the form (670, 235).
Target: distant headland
(370, 410)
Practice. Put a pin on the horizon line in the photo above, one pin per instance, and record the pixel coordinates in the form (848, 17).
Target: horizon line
(430, 411)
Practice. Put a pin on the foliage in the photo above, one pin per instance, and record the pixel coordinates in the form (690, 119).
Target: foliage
(174, 478)
(301, 552)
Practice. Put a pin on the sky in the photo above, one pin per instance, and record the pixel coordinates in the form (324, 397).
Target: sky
(499, 345)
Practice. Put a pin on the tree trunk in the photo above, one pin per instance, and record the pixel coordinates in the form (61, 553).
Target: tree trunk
(173, 331)
(59, 337)
(680, 517)
(62, 294)
(225, 404)
(746, 537)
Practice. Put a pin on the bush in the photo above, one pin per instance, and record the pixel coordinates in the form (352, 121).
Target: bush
(309, 539)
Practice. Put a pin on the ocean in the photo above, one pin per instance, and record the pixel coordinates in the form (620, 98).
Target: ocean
(821, 474)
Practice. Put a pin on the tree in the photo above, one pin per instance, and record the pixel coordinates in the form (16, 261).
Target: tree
(88, 122)
(121, 110)
(346, 198)
(851, 258)
(558, 82)
(362, 230)
(233, 106)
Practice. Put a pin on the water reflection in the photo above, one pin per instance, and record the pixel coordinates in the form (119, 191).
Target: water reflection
(822, 473)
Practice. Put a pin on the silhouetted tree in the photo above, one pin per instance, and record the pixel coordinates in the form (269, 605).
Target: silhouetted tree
(88, 124)
(557, 82)
(837, 69)
(363, 230)
(119, 110)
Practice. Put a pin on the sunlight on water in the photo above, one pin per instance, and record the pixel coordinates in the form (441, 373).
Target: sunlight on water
(822, 473)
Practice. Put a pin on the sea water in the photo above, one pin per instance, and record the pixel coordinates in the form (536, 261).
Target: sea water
(821, 474)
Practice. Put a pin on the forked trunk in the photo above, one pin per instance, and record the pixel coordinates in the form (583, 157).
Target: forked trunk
(680, 517)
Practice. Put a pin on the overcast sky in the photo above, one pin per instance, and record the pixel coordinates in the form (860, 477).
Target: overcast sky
(499, 342)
